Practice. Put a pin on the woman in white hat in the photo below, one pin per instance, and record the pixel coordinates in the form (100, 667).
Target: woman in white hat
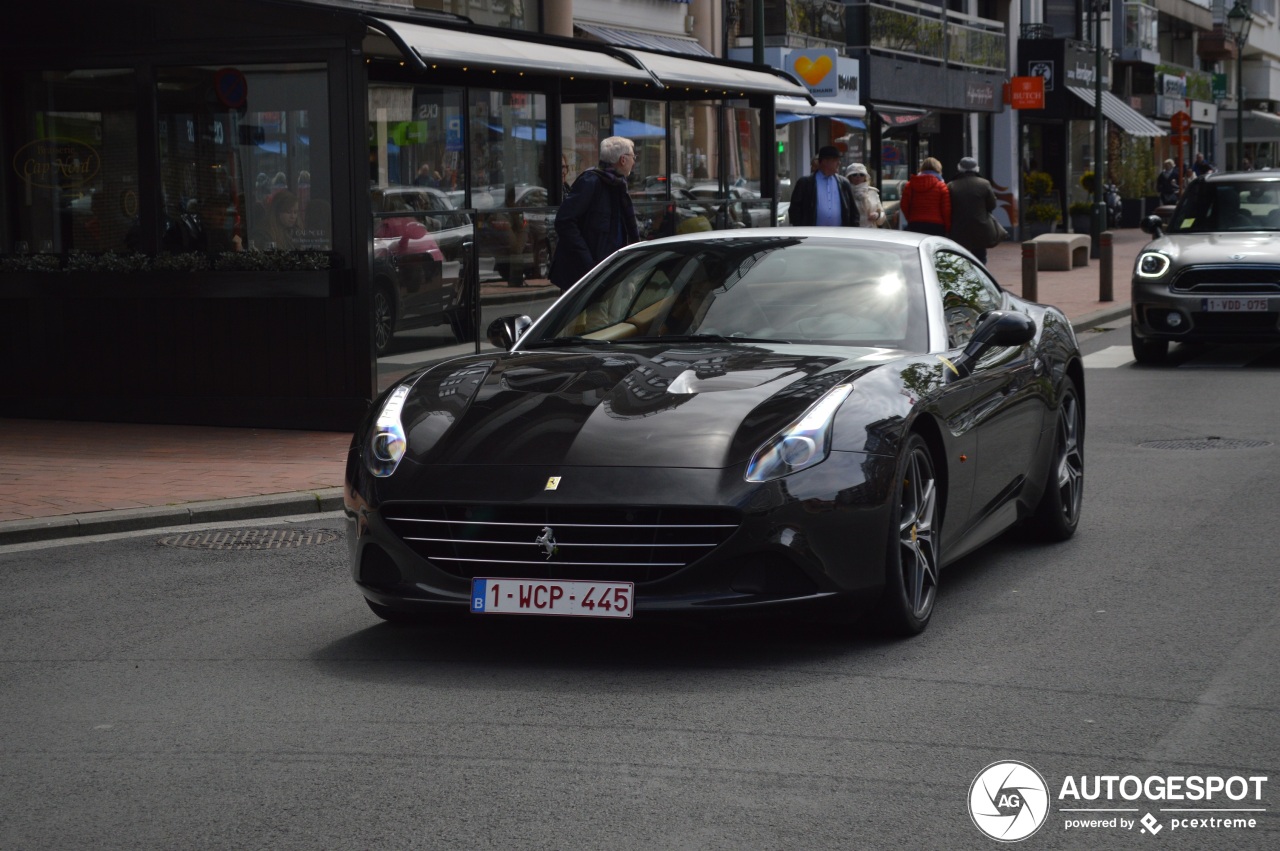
(870, 213)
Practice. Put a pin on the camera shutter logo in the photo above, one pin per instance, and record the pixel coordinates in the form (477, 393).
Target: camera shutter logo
(1008, 801)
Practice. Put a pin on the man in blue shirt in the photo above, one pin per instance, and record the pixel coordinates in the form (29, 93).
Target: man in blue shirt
(824, 198)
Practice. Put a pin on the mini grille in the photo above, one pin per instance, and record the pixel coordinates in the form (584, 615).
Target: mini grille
(622, 544)
(1229, 279)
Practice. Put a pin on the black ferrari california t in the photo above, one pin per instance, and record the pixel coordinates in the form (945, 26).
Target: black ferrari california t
(725, 421)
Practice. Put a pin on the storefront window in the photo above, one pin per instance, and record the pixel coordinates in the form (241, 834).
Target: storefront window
(77, 163)
(644, 123)
(579, 138)
(244, 158)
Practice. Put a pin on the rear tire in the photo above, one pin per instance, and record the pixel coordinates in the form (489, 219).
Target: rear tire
(1148, 351)
(911, 563)
(1058, 514)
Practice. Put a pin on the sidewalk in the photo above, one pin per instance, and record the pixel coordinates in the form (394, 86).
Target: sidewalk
(66, 479)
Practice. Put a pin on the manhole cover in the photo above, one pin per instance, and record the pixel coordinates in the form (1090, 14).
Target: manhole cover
(250, 539)
(1198, 443)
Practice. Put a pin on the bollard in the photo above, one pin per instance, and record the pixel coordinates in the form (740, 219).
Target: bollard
(1029, 288)
(1105, 288)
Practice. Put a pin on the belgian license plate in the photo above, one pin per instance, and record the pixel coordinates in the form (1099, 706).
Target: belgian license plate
(1234, 305)
(504, 596)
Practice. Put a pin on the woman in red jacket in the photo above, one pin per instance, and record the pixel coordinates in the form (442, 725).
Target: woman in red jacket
(926, 201)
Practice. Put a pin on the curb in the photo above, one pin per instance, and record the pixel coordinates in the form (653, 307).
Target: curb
(1100, 317)
(136, 519)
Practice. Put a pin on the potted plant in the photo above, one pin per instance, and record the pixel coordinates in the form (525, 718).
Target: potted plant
(1043, 210)
(1081, 213)
(1135, 169)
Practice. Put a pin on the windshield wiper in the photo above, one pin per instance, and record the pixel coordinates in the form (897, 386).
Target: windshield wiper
(701, 338)
(564, 341)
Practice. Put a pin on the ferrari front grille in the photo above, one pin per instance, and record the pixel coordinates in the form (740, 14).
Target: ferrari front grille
(618, 544)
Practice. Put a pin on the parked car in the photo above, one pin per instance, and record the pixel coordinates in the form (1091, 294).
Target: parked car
(1214, 275)
(420, 250)
(515, 227)
(720, 421)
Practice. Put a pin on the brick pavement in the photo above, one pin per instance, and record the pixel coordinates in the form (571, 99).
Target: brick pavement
(69, 471)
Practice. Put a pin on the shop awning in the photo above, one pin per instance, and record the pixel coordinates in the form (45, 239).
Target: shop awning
(797, 109)
(715, 79)
(643, 40)
(1258, 126)
(1118, 112)
(432, 45)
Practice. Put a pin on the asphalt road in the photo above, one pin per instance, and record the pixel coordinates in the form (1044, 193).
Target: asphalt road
(162, 697)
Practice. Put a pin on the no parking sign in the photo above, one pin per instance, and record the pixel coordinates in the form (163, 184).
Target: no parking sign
(230, 87)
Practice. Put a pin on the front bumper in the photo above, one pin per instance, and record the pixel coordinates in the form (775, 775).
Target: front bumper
(1160, 313)
(819, 533)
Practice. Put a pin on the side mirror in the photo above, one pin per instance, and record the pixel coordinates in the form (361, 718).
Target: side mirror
(995, 328)
(1153, 225)
(506, 330)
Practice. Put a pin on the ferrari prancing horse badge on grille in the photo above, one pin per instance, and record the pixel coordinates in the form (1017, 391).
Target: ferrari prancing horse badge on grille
(552, 483)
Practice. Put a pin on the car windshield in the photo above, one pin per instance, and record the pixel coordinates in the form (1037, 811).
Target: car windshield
(780, 289)
(1221, 206)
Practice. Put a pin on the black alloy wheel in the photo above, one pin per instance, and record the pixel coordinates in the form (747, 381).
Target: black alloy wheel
(384, 319)
(1148, 351)
(911, 583)
(1058, 513)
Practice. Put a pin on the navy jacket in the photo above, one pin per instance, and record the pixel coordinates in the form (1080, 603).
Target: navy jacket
(593, 222)
(804, 202)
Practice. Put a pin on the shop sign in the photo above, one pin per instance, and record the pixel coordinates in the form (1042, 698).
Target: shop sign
(56, 163)
(1027, 92)
(1044, 69)
(979, 95)
(1219, 87)
(817, 69)
(1173, 86)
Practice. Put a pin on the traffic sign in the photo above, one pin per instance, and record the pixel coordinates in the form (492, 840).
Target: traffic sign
(1180, 122)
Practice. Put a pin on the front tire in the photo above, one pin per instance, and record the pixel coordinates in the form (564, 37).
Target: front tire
(911, 581)
(1058, 514)
(1148, 351)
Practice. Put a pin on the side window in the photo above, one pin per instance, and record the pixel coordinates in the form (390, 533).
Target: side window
(967, 293)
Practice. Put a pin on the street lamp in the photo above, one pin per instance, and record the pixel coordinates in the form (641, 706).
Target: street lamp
(1239, 21)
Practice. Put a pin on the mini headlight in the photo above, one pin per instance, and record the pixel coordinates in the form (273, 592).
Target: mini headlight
(805, 442)
(386, 438)
(1152, 264)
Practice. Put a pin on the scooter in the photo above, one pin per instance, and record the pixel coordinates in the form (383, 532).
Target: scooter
(1115, 209)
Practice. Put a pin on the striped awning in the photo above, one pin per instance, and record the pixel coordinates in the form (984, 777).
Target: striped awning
(1119, 113)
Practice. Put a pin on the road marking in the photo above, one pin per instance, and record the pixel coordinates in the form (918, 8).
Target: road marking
(1108, 358)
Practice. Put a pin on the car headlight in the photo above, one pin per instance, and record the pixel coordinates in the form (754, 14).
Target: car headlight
(386, 440)
(1152, 264)
(805, 442)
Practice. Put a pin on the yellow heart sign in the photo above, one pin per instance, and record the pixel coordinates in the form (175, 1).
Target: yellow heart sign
(813, 70)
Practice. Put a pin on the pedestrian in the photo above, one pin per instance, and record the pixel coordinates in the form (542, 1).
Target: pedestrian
(926, 203)
(824, 198)
(597, 218)
(1167, 183)
(1246, 164)
(972, 203)
(870, 212)
(1201, 167)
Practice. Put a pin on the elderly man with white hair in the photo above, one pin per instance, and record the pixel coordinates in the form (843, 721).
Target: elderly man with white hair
(867, 197)
(597, 218)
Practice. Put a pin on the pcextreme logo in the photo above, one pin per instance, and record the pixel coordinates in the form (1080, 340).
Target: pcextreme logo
(1009, 801)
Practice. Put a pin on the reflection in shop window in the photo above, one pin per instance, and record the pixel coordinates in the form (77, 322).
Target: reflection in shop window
(76, 166)
(244, 159)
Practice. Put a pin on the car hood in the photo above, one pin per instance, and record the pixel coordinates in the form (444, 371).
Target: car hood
(702, 406)
(1186, 249)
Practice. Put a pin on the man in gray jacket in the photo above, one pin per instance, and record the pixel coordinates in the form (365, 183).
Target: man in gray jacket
(972, 201)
